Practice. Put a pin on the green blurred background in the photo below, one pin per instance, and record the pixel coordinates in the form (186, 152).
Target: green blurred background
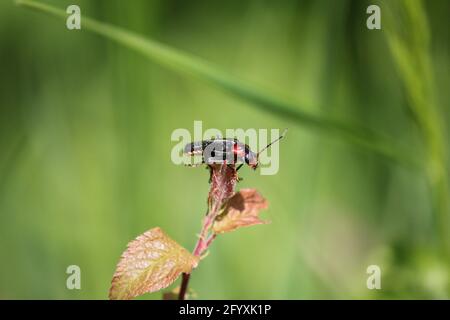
(85, 128)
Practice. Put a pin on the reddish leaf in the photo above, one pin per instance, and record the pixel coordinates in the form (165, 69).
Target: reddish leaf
(241, 210)
(151, 262)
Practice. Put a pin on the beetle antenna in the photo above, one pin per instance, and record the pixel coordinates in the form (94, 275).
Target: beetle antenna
(276, 140)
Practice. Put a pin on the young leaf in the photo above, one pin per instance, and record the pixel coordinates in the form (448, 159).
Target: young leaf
(241, 210)
(151, 262)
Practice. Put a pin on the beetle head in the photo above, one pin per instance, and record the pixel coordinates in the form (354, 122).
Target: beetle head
(251, 159)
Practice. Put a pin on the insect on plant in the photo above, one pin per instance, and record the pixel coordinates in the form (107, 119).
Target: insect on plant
(228, 151)
(153, 260)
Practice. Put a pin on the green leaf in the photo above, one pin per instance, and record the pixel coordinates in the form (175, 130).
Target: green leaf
(151, 262)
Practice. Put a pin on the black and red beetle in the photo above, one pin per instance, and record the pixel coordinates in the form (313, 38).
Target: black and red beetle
(226, 151)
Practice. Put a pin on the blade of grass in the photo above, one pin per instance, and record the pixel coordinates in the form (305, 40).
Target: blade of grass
(260, 98)
(409, 36)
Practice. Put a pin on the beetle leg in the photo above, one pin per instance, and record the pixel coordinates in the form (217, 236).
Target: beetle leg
(239, 166)
(193, 165)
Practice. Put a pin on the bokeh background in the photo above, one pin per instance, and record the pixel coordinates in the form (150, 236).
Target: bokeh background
(85, 128)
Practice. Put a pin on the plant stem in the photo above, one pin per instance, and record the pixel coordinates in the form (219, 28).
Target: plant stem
(223, 182)
(184, 285)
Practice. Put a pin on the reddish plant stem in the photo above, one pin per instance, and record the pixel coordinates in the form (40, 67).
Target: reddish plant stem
(184, 285)
(203, 242)
(223, 182)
